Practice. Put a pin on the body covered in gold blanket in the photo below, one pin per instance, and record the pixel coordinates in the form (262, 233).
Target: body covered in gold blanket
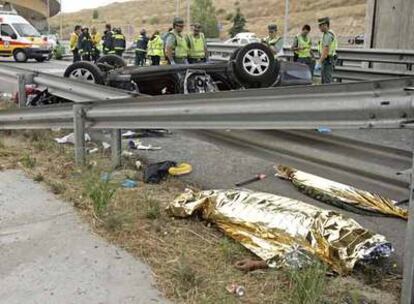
(340, 195)
(273, 227)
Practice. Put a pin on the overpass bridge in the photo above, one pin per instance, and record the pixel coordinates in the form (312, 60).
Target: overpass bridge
(35, 11)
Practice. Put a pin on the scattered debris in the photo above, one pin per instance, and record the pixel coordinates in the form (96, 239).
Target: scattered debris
(129, 183)
(92, 151)
(340, 195)
(105, 145)
(154, 173)
(258, 177)
(127, 154)
(277, 228)
(180, 169)
(70, 139)
(237, 290)
(145, 133)
(129, 134)
(324, 130)
(137, 145)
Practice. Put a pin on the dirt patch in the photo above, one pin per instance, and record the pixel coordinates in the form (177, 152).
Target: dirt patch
(191, 260)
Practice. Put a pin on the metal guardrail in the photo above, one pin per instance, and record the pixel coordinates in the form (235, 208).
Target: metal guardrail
(353, 64)
(383, 104)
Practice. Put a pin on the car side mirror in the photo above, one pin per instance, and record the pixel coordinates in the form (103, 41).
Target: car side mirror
(13, 36)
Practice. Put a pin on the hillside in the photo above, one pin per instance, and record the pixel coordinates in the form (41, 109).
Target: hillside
(348, 16)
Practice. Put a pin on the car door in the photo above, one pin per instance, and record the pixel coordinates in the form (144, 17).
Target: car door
(6, 34)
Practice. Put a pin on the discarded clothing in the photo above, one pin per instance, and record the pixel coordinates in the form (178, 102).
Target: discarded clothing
(277, 228)
(70, 139)
(340, 195)
(154, 173)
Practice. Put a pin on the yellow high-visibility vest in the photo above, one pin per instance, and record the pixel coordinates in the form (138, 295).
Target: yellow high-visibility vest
(306, 46)
(197, 46)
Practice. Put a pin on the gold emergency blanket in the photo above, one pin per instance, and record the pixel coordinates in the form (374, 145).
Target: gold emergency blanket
(340, 195)
(273, 227)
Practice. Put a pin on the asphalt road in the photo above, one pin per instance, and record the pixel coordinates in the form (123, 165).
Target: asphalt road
(219, 164)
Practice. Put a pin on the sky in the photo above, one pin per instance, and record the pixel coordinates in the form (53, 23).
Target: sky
(76, 5)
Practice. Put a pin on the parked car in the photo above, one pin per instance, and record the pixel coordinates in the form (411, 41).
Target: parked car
(243, 39)
(251, 66)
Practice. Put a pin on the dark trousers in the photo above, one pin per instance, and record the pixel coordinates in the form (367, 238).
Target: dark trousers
(326, 72)
(309, 62)
(76, 56)
(119, 53)
(155, 60)
(196, 60)
(139, 58)
(86, 57)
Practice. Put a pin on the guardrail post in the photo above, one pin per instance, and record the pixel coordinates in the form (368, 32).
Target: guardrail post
(116, 148)
(21, 85)
(79, 131)
(407, 293)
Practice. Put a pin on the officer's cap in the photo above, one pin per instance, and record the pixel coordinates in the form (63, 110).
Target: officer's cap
(324, 20)
(178, 20)
(272, 27)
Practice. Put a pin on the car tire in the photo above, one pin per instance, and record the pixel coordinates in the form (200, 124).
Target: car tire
(113, 60)
(20, 56)
(41, 59)
(85, 71)
(255, 66)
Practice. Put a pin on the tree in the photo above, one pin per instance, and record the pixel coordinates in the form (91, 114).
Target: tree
(203, 12)
(239, 22)
(95, 14)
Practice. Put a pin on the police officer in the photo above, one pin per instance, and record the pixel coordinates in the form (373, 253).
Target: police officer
(327, 49)
(73, 43)
(302, 46)
(155, 48)
(119, 42)
(96, 44)
(141, 50)
(273, 41)
(176, 49)
(85, 44)
(107, 40)
(197, 45)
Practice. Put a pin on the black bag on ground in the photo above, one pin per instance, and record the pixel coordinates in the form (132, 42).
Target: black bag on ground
(154, 173)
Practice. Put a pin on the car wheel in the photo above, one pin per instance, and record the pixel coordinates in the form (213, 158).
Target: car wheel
(112, 60)
(20, 56)
(85, 71)
(41, 59)
(255, 66)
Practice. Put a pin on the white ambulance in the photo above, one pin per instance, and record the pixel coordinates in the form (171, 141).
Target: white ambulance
(20, 40)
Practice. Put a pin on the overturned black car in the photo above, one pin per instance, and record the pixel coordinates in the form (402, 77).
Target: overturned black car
(252, 66)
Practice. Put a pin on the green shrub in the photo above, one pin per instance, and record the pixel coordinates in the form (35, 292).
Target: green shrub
(307, 284)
